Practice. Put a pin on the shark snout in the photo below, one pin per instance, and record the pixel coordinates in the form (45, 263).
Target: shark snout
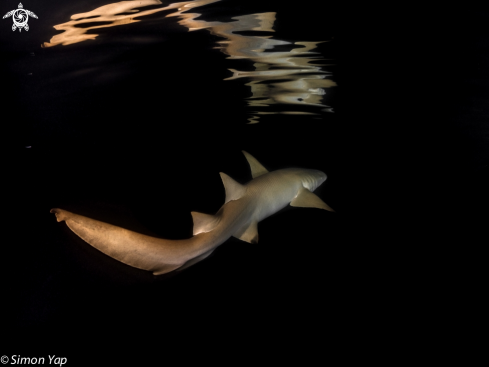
(321, 180)
(323, 176)
(320, 177)
(312, 179)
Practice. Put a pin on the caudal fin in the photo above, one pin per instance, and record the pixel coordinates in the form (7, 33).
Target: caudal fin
(135, 249)
(61, 214)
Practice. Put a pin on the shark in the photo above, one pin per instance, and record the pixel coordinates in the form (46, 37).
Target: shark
(244, 206)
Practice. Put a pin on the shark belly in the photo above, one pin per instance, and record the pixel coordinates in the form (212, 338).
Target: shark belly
(240, 217)
(234, 215)
(272, 194)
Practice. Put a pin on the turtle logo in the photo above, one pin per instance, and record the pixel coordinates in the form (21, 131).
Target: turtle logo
(20, 17)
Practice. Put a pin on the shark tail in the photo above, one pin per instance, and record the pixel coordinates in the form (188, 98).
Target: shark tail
(135, 249)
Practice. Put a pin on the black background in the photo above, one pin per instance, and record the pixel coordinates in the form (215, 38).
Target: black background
(405, 153)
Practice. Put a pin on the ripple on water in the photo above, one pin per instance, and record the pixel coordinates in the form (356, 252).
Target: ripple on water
(283, 77)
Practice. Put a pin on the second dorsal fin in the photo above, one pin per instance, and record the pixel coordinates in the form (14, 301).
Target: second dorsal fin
(234, 190)
(256, 167)
(204, 222)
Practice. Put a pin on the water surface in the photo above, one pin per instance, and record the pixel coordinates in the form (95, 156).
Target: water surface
(284, 77)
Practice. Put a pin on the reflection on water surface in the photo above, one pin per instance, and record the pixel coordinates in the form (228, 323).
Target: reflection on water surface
(281, 73)
(111, 15)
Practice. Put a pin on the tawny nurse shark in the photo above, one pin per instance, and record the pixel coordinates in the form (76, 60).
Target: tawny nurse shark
(244, 207)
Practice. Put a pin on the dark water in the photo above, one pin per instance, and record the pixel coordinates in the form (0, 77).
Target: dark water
(127, 112)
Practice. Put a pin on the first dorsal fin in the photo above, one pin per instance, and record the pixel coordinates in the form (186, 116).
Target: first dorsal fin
(234, 190)
(256, 167)
(204, 222)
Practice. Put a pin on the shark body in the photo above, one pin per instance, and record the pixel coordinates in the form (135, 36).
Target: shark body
(244, 207)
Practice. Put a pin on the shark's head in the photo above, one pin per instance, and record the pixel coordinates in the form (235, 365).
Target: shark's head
(312, 178)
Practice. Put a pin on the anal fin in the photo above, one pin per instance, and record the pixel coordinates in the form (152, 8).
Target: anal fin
(307, 199)
(195, 260)
(248, 233)
(204, 222)
(166, 269)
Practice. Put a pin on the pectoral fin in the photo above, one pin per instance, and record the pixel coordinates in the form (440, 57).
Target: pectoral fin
(248, 233)
(307, 199)
(204, 222)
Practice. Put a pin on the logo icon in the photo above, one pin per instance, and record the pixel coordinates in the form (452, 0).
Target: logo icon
(20, 17)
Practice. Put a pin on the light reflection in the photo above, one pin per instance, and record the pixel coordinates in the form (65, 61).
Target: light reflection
(111, 15)
(290, 77)
(280, 77)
